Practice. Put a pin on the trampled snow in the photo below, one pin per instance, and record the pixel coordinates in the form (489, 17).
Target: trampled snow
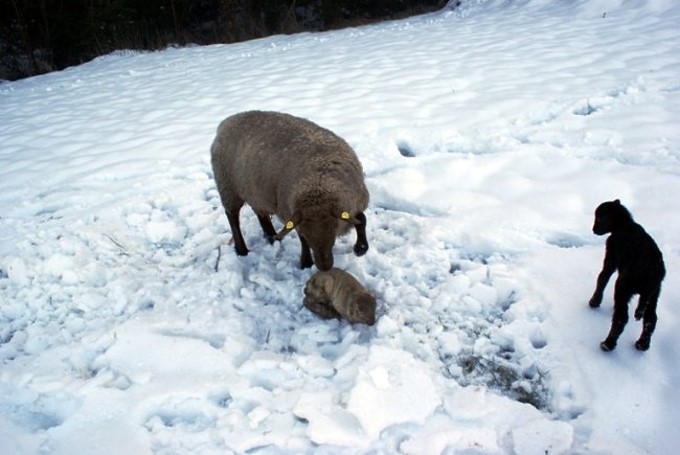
(488, 135)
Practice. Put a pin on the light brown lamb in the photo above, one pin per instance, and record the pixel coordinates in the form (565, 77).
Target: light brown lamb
(336, 294)
(305, 174)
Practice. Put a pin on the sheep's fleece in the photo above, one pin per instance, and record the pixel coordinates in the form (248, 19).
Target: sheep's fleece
(305, 174)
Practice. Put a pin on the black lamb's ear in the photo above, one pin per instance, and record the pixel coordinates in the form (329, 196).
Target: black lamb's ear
(617, 202)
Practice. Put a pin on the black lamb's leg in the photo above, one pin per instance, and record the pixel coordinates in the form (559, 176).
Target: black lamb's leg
(622, 295)
(608, 269)
(641, 307)
(649, 319)
(361, 245)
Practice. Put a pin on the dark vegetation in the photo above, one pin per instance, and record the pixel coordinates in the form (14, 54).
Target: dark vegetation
(38, 36)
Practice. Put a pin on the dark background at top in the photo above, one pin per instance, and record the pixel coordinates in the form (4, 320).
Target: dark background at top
(38, 36)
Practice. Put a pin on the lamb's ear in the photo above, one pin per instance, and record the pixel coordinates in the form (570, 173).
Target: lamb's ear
(617, 202)
(290, 225)
(345, 216)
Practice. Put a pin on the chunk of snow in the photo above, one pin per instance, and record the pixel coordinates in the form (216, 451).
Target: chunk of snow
(392, 387)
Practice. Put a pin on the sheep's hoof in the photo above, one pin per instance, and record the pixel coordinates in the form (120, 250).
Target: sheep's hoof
(360, 249)
(594, 303)
(607, 346)
(242, 252)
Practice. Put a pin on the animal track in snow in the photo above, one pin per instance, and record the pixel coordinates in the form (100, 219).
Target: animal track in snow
(37, 411)
(215, 340)
(189, 415)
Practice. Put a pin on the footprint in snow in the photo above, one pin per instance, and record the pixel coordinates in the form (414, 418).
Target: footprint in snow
(190, 415)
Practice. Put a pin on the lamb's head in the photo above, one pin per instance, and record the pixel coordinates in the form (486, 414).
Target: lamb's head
(319, 226)
(361, 308)
(610, 216)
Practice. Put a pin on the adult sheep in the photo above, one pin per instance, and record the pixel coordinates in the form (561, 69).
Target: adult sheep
(306, 175)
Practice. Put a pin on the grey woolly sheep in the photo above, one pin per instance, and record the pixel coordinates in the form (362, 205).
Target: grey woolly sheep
(336, 293)
(306, 175)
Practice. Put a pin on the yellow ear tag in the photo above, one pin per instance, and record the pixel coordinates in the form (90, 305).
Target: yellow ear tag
(290, 225)
(344, 216)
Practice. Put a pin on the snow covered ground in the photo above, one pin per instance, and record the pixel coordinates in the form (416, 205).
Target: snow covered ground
(488, 136)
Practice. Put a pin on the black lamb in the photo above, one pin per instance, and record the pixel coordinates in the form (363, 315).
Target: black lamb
(634, 254)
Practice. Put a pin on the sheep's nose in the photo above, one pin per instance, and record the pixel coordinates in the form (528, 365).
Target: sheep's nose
(323, 262)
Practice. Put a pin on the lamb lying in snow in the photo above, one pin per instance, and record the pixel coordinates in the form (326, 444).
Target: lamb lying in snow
(337, 294)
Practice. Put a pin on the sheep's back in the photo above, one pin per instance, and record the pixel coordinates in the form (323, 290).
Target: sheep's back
(266, 154)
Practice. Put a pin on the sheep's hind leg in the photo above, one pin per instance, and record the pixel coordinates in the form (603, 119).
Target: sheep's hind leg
(235, 225)
(267, 227)
(361, 245)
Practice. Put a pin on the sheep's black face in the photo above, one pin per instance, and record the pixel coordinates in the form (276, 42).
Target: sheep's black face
(319, 232)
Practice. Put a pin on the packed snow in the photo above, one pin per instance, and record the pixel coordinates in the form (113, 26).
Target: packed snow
(488, 135)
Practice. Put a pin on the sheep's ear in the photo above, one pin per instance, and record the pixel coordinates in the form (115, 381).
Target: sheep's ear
(617, 202)
(345, 216)
(290, 225)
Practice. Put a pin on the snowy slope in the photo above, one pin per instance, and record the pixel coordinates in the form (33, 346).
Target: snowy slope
(488, 135)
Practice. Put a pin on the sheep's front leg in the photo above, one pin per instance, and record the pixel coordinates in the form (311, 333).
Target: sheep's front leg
(235, 225)
(361, 245)
(267, 227)
(306, 260)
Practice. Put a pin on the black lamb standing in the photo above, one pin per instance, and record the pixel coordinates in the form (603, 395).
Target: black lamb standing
(639, 262)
